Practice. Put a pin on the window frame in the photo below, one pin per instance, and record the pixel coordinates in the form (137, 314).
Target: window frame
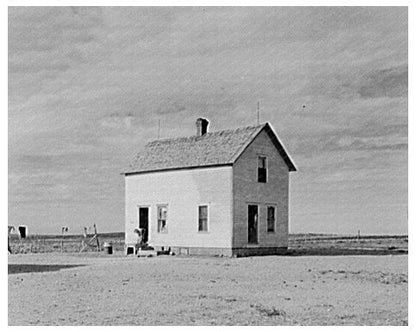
(198, 215)
(159, 229)
(266, 159)
(274, 218)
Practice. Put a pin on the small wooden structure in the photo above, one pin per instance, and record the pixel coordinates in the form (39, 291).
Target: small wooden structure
(63, 232)
(23, 231)
(90, 243)
(11, 229)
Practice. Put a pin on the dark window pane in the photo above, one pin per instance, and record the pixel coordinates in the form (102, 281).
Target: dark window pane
(262, 162)
(270, 212)
(203, 218)
(262, 175)
(262, 170)
(161, 218)
(203, 211)
(270, 218)
(203, 225)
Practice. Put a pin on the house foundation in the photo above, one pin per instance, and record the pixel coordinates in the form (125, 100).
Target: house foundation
(225, 252)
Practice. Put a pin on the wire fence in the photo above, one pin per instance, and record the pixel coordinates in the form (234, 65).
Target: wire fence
(73, 244)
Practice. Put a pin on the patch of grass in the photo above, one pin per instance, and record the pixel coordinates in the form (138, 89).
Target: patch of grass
(268, 312)
(342, 317)
(230, 299)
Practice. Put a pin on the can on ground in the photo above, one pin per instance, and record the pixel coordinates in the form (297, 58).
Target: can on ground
(108, 247)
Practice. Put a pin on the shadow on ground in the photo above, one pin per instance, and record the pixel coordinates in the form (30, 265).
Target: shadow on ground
(29, 268)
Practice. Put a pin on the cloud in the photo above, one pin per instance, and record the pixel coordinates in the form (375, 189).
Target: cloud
(390, 83)
(88, 86)
(369, 137)
(118, 121)
(168, 108)
(344, 144)
(360, 83)
(42, 29)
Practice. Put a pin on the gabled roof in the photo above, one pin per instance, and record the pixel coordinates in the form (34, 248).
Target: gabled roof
(212, 149)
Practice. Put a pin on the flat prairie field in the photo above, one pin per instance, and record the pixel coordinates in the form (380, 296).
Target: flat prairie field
(100, 289)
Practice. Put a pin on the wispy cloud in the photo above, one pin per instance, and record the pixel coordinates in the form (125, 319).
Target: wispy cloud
(89, 85)
(370, 137)
(390, 82)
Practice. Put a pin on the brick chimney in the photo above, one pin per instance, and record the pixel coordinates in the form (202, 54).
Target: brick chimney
(201, 126)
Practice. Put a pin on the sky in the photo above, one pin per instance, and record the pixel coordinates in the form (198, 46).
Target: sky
(88, 86)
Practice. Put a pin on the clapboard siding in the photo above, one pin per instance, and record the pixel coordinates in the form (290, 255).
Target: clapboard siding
(248, 191)
(182, 191)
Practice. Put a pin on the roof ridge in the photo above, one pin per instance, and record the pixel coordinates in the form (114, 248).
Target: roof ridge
(210, 133)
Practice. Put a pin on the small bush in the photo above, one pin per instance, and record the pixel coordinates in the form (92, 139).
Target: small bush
(269, 312)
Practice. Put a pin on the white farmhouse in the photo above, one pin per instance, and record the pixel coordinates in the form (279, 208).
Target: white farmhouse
(215, 193)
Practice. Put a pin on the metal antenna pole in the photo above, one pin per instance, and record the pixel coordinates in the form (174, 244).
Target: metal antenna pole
(158, 130)
(258, 113)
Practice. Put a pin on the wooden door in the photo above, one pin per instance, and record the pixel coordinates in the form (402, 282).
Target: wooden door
(253, 212)
(144, 222)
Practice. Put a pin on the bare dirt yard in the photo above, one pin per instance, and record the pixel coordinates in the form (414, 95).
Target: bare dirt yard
(99, 289)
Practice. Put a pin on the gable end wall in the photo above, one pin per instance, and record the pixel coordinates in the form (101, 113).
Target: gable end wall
(247, 190)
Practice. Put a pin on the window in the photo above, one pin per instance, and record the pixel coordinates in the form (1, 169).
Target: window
(162, 213)
(262, 169)
(203, 218)
(270, 219)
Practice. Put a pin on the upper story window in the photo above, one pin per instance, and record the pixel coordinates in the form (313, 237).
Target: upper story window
(162, 218)
(203, 218)
(262, 169)
(271, 219)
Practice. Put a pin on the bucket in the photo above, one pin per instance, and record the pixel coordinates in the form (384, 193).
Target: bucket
(108, 247)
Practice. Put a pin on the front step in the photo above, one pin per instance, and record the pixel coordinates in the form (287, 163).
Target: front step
(152, 252)
(146, 247)
(146, 253)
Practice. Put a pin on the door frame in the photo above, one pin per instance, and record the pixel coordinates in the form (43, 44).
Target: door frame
(148, 218)
(257, 225)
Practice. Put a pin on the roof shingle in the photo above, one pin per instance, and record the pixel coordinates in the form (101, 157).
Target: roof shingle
(211, 149)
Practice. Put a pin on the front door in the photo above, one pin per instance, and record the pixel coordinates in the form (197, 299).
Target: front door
(144, 222)
(252, 223)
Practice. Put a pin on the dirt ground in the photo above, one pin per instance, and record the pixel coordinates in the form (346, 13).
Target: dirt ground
(95, 289)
